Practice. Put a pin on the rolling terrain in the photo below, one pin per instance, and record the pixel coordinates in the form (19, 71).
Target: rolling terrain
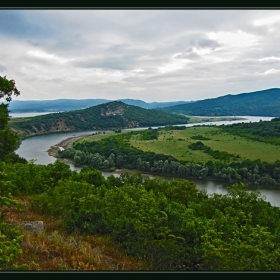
(176, 143)
(259, 103)
(113, 115)
(194, 152)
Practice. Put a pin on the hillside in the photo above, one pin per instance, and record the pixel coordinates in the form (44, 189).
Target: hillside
(259, 103)
(113, 115)
(264, 131)
(62, 105)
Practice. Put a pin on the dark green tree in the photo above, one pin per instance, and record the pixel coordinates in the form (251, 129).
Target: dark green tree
(10, 238)
(9, 140)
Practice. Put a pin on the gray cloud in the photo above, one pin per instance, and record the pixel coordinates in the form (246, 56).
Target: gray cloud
(154, 55)
(205, 43)
(56, 80)
(118, 63)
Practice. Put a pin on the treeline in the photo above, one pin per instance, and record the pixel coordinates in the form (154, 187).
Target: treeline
(116, 152)
(171, 225)
(220, 155)
(259, 103)
(264, 131)
(110, 153)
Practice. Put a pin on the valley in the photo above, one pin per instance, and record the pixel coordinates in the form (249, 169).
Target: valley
(188, 152)
(131, 221)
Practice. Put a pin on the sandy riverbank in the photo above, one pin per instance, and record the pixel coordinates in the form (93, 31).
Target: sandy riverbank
(65, 144)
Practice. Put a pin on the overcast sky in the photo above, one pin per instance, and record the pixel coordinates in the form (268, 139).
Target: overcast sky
(152, 55)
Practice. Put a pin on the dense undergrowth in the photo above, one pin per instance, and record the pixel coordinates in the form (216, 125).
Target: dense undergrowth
(170, 225)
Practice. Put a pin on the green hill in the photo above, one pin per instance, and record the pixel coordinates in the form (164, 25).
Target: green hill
(113, 115)
(259, 103)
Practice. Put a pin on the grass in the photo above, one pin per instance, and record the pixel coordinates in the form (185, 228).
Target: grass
(175, 143)
(53, 249)
(95, 137)
(169, 143)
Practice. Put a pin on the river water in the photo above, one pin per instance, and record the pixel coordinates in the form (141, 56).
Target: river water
(36, 148)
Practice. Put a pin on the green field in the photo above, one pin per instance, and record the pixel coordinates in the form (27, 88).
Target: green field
(95, 137)
(175, 143)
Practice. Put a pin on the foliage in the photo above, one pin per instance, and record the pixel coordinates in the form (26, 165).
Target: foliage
(113, 115)
(259, 103)
(9, 237)
(10, 240)
(116, 152)
(264, 131)
(9, 141)
(199, 137)
(173, 127)
(8, 88)
(149, 134)
(215, 154)
(172, 224)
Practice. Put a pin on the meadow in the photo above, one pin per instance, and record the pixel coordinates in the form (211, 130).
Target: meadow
(176, 143)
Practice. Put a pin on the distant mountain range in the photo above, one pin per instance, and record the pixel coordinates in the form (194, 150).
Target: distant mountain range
(113, 115)
(258, 103)
(62, 105)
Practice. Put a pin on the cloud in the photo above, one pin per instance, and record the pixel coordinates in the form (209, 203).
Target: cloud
(267, 20)
(205, 43)
(269, 58)
(271, 71)
(154, 55)
(119, 63)
(236, 39)
(46, 56)
(57, 80)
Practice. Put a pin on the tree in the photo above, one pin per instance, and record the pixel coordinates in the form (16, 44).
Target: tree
(9, 141)
(8, 88)
(10, 238)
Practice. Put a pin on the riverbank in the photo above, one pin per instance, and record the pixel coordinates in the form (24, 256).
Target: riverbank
(64, 144)
(67, 143)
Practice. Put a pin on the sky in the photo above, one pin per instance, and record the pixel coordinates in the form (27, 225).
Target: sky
(151, 55)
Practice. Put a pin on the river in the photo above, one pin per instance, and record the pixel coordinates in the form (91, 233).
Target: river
(36, 148)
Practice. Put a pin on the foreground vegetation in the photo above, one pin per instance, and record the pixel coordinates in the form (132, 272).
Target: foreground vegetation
(163, 225)
(54, 249)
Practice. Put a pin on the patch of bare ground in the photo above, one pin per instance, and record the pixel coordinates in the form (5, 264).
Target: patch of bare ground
(52, 249)
(65, 144)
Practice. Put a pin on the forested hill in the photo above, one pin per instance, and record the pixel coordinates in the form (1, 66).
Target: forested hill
(113, 115)
(265, 131)
(259, 103)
